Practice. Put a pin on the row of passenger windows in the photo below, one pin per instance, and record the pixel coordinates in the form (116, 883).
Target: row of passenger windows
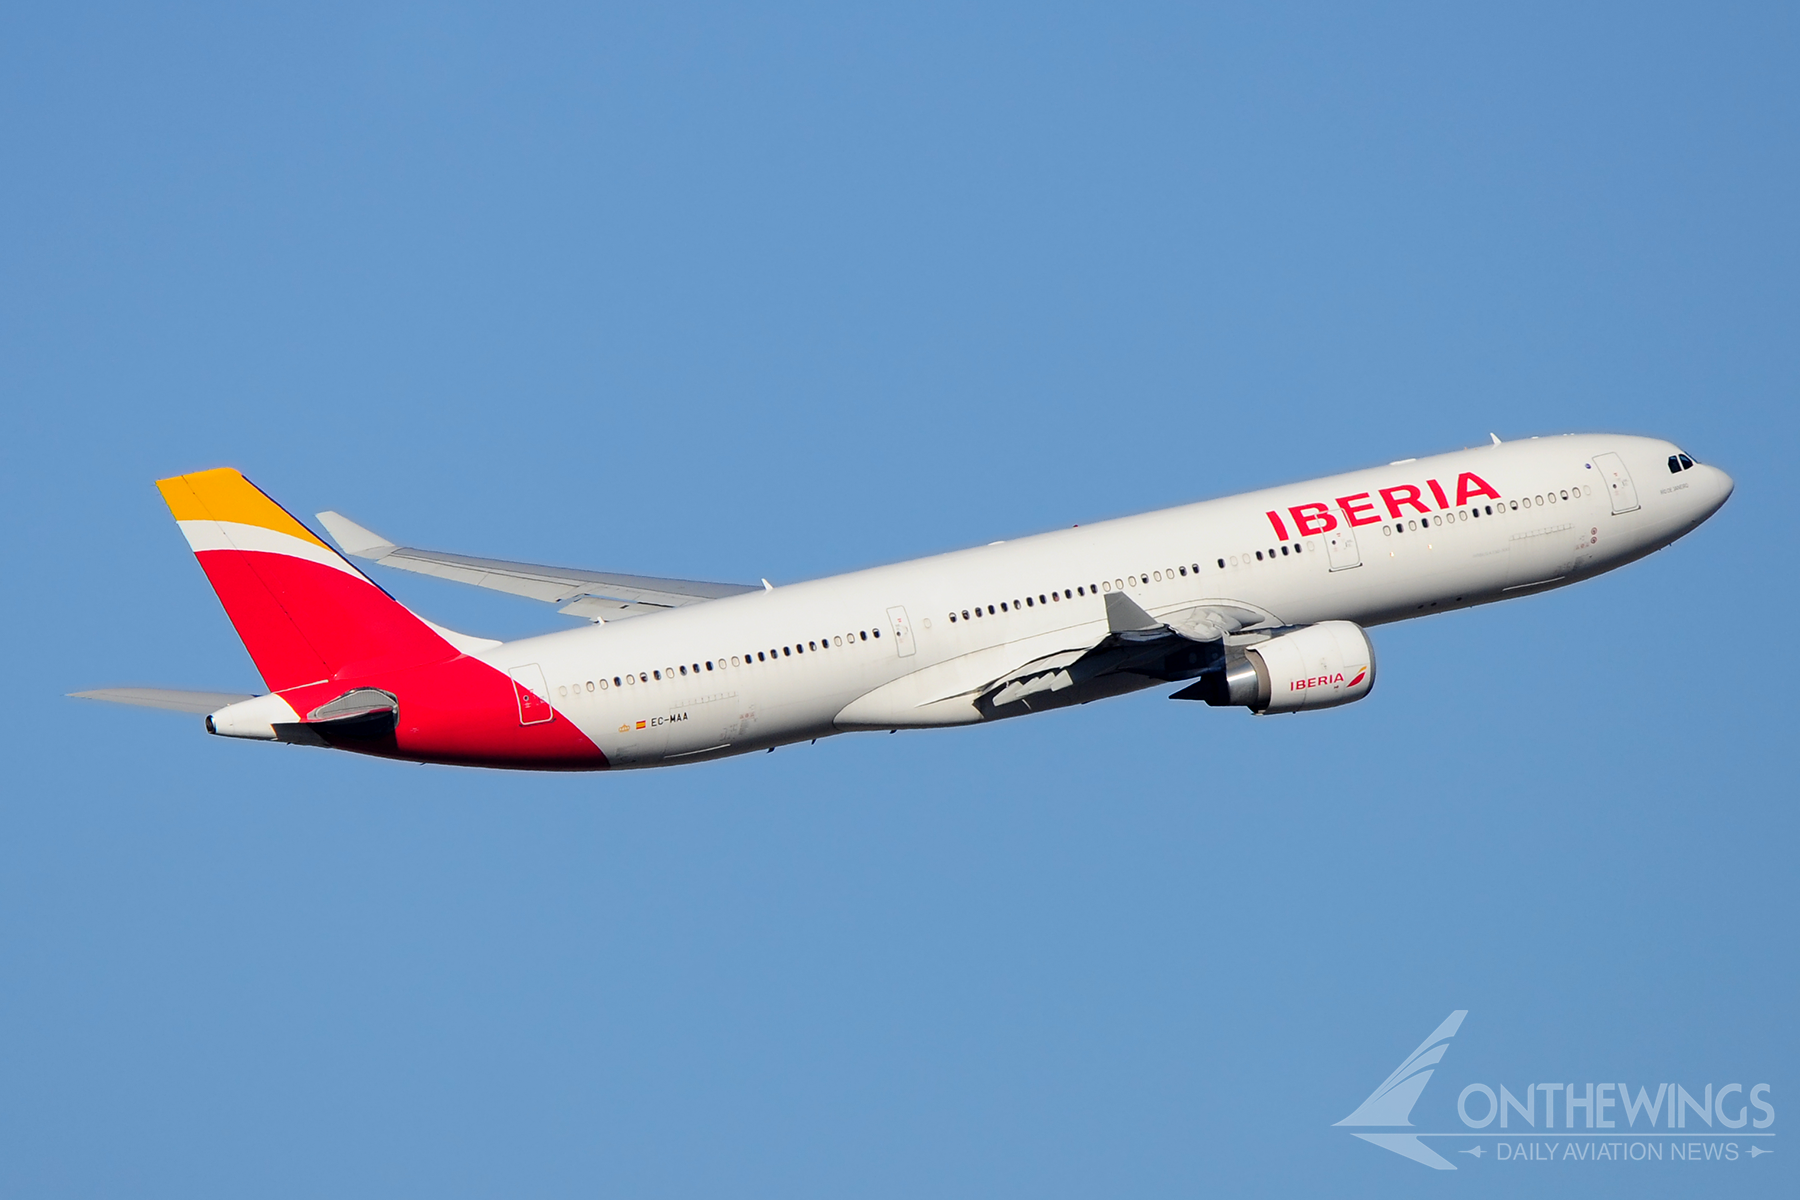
(1492, 510)
(719, 664)
(1095, 589)
(1044, 598)
(1260, 556)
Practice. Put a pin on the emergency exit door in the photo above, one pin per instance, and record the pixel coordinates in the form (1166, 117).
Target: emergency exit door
(532, 694)
(1619, 488)
(1341, 550)
(903, 633)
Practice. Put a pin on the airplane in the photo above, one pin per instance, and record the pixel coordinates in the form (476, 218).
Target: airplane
(1259, 601)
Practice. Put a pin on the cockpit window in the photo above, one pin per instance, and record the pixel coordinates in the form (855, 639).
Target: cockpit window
(1686, 462)
(1679, 463)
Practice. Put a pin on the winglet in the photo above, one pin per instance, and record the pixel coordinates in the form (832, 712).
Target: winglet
(353, 539)
(1495, 436)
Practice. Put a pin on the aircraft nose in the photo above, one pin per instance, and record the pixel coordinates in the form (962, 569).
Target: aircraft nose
(1720, 489)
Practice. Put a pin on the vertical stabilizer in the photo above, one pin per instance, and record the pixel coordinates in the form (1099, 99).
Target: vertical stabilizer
(304, 613)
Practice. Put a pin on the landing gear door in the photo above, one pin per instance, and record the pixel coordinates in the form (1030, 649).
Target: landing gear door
(903, 633)
(1341, 550)
(1617, 479)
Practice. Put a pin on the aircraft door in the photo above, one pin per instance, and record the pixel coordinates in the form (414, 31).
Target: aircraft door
(903, 634)
(1341, 550)
(1617, 479)
(532, 694)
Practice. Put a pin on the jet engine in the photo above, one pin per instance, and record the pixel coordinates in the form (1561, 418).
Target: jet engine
(1320, 666)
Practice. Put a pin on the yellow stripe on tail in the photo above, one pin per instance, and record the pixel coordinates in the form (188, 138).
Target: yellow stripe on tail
(223, 494)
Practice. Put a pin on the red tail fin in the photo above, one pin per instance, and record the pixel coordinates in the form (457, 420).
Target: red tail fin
(304, 613)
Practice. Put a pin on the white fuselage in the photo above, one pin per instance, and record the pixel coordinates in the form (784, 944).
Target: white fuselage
(879, 649)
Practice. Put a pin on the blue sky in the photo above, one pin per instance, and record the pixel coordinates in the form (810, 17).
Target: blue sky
(734, 293)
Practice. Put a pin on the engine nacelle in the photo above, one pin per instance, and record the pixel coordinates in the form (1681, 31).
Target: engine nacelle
(1321, 666)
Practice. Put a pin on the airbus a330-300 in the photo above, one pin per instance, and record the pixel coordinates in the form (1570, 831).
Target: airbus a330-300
(1260, 601)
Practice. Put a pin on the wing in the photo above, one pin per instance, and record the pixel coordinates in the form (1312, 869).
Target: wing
(597, 595)
(1182, 645)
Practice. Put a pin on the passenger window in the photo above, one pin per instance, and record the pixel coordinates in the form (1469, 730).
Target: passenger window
(658, 674)
(684, 670)
(1284, 551)
(837, 641)
(990, 613)
(1003, 606)
(1259, 556)
(709, 664)
(1028, 603)
(877, 632)
(734, 660)
(1221, 564)
(1081, 591)
(787, 651)
(865, 635)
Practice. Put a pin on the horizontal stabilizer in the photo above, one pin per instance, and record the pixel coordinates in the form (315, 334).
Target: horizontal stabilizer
(172, 699)
(596, 595)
